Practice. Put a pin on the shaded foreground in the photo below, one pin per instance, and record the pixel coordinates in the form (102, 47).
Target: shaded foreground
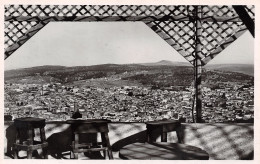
(220, 141)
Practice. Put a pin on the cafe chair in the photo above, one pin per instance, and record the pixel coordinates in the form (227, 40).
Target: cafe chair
(86, 128)
(25, 133)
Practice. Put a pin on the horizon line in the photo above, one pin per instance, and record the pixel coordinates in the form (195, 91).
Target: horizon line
(130, 63)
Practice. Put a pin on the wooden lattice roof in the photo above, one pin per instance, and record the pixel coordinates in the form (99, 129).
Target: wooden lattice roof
(220, 25)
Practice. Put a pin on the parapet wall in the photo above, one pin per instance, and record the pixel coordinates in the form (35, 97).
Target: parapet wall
(222, 140)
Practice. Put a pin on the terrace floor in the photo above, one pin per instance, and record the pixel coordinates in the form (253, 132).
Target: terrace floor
(222, 141)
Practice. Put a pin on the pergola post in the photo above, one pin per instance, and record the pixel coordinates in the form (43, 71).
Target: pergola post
(198, 66)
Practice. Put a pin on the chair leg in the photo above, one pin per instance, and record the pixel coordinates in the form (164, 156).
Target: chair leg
(148, 137)
(15, 151)
(105, 139)
(45, 153)
(30, 137)
(179, 134)
(163, 137)
(43, 139)
(72, 151)
(76, 148)
(110, 155)
(17, 141)
(72, 155)
(76, 155)
(105, 154)
(29, 153)
(30, 142)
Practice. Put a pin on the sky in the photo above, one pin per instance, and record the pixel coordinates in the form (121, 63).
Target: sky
(91, 43)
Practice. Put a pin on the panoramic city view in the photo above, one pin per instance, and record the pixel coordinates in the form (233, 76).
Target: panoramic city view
(130, 92)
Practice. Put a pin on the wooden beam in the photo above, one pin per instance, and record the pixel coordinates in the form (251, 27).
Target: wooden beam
(220, 19)
(121, 18)
(98, 18)
(198, 66)
(247, 20)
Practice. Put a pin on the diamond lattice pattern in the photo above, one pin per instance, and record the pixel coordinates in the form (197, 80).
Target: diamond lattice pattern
(15, 30)
(218, 11)
(181, 34)
(214, 34)
(94, 10)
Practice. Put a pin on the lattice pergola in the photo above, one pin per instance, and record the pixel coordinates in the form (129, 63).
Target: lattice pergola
(198, 33)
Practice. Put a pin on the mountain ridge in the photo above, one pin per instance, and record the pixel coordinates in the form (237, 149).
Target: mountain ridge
(166, 62)
(247, 69)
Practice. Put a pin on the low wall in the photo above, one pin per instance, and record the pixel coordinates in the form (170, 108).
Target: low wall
(221, 140)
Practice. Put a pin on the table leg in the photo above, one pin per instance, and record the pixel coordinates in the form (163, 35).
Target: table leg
(164, 137)
(105, 139)
(43, 139)
(149, 135)
(76, 146)
(72, 151)
(179, 134)
(30, 143)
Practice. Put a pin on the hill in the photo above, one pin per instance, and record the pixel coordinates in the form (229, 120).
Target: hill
(166, 62)
(163, 73)
(247, 69)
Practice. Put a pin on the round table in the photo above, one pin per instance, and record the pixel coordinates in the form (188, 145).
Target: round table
(162, 151)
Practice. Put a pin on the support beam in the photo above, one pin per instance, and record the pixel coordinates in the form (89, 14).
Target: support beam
(198, 94)
(98, 18)
(121, 18)
(198, 66)
(247, 20)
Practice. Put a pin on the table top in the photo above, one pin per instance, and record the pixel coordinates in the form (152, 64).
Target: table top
(82, 121)
(161, 122)
(29, 122)
(162, 151)
(29, 119)
(89, 125)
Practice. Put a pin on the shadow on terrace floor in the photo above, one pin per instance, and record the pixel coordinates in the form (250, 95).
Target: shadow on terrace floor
(221, 141)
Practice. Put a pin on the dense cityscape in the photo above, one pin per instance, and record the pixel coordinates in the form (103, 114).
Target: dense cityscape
(229, 102)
